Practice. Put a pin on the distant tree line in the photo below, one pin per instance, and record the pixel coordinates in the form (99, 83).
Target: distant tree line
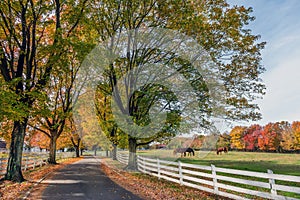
(279, 136)
(273, 137)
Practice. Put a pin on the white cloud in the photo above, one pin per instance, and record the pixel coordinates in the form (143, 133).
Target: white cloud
(282, 101)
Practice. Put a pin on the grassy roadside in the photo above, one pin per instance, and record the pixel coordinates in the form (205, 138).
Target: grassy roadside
(11, 191)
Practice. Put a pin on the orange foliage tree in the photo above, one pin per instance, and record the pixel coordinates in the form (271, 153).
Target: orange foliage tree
(42, 141)
(271, 136)
(39, 140)
(197, 141)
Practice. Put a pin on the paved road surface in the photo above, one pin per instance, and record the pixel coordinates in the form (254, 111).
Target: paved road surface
(84, 180)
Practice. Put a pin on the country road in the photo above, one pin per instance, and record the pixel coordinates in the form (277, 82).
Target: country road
(84, 180)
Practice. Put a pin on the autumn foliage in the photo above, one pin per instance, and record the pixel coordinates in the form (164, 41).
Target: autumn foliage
(40, 140)
(278, 136)
(251, 137)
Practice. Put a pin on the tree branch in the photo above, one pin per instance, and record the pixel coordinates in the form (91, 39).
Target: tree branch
(41, 130)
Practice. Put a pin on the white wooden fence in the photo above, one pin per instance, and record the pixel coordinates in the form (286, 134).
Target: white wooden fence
(31, 162)
(232, 183)
(123, 157)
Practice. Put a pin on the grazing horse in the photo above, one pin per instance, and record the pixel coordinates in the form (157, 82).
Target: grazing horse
(219, 150)
(183, 151)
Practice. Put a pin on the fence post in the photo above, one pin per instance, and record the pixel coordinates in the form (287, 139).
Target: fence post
(144, 164)
(214, 175)
(180, 173)
(158, 168)
(138, 162)
(26, 160)
(1, 167)
(272, 184)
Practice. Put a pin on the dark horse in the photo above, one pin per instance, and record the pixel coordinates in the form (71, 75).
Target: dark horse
(220, 149)
(183, 151)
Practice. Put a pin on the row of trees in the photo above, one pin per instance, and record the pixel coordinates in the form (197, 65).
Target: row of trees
(276, 137)
(279, 136)
(43, 43)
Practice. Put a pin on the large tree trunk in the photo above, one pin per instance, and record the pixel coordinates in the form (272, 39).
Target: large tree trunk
(14, 165)
(77, 150)
(76, 146)
(114, 152)
(52, 154)
(132, 163)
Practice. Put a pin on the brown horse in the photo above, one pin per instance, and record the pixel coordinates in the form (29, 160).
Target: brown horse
(220, 149)
(183, 151)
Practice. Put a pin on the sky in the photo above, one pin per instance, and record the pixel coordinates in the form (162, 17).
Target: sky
(278, 23)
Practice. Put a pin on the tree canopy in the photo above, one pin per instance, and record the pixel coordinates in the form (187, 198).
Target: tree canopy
(212, 34)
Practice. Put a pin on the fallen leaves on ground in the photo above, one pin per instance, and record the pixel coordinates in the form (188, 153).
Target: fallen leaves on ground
(11, 191)
(150, 188)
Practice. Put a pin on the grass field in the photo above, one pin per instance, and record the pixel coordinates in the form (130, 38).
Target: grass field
(252, 161)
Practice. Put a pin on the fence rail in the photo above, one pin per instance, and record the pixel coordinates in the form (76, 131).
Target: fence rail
(232, 183)
(31, 162)
(122, 157)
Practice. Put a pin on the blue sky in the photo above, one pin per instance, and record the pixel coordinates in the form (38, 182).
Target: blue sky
(278, 23)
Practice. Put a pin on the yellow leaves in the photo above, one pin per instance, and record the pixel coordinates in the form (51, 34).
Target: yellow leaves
(64, 141)
(288, 140)
(237, 134)
(296, 132)
(6, 127)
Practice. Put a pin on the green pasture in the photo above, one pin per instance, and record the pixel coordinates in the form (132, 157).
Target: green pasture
(288, 164)
(252, 161)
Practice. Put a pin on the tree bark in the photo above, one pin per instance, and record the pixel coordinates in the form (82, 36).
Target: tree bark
(77, 151)
(132, 164)
(52, 153)
(77, 146)
(14, 165)
(95, 151)
(114, 152)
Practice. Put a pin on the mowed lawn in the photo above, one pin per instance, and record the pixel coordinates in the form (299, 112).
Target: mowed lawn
(253, 161)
